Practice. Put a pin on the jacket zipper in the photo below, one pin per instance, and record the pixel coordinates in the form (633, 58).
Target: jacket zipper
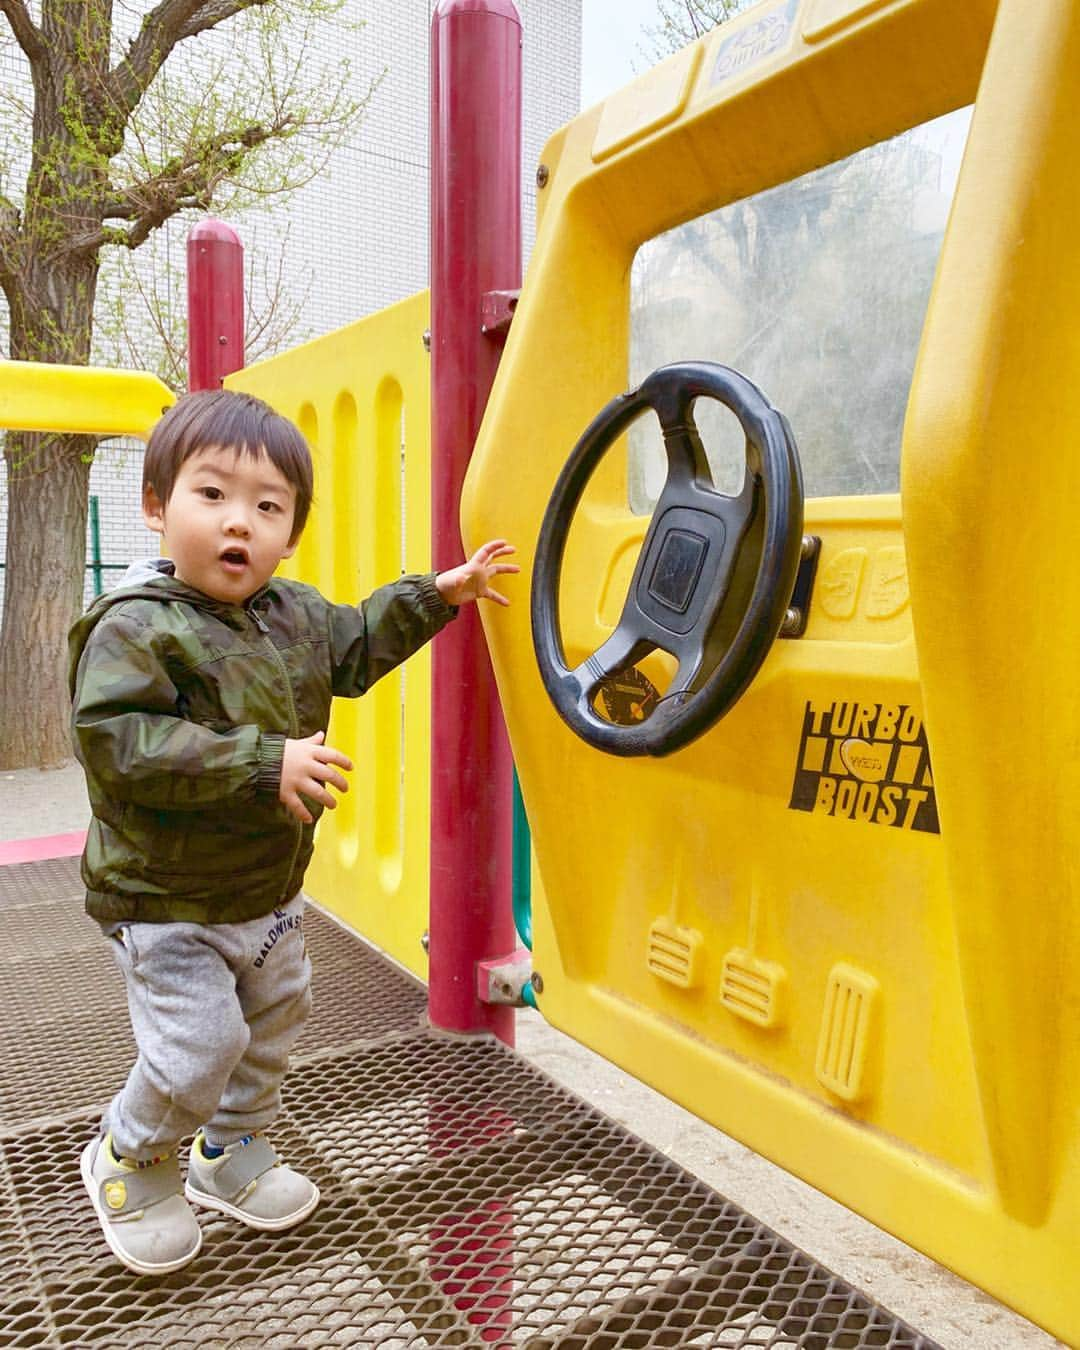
(294, 727)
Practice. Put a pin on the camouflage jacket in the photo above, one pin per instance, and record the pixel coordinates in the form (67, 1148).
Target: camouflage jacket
(182, 705)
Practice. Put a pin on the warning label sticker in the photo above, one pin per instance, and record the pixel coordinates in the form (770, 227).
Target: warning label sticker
(868, 762)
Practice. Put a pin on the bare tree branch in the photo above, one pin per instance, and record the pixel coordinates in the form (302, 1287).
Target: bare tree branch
(167, 24)
(27, 34)
(213, 12)
(182, 184)
(148, 51)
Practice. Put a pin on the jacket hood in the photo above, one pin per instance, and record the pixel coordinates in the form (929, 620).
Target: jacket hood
(145, 579)
(143, 570)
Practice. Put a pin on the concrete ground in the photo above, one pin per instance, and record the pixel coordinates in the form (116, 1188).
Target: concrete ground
(960, 1317)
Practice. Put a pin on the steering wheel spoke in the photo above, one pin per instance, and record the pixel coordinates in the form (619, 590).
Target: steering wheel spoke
(687, 462)
(621, 650)
(685, 674)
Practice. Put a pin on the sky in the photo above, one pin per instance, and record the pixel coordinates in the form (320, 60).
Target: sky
(611, 37)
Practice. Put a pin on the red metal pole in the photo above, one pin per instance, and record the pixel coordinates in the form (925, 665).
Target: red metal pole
(475, 249)
(215, 288)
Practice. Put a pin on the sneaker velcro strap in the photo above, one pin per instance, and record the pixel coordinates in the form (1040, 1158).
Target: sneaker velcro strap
(128, 1192)
(243, 1166)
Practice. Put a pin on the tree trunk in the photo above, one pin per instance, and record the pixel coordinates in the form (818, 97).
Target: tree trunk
(48, 488)
(50, 288)
(43, 589)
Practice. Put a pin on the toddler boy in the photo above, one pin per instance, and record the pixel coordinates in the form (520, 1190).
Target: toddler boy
(202, 689)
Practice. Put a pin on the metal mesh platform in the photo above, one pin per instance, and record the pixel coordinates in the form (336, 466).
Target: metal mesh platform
(467, 1199)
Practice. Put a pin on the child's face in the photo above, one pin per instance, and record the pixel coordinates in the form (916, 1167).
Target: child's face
(227, 523)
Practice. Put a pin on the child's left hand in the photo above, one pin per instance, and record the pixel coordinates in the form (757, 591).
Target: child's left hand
(471, 581)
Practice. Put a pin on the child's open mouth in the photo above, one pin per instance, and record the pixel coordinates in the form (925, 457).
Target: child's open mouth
(234, 559)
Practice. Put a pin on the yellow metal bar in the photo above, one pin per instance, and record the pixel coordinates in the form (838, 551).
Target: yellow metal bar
(991, 533)
(35, 396)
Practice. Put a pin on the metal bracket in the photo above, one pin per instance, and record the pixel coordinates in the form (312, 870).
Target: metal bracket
(496, 311)
(798, 611)
(503, 978)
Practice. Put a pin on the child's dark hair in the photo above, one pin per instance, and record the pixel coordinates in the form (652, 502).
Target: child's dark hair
(234, 421)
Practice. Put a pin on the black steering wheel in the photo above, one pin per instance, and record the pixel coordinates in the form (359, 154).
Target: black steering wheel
(715, 573)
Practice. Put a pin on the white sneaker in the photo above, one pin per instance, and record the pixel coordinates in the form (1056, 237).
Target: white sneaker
(142, 1211)
(250, 1183)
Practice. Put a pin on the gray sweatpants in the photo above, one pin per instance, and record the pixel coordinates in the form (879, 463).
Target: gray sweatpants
(215, 1009)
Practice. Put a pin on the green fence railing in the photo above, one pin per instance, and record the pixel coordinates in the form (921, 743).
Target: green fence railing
(96, 566)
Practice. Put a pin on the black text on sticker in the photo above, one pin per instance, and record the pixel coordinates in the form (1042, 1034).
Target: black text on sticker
(867, 762)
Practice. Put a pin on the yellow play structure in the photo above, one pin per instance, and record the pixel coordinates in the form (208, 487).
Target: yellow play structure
(843, 924)
(792, 687)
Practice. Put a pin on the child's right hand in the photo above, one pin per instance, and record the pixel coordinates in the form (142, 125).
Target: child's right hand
(306, 767)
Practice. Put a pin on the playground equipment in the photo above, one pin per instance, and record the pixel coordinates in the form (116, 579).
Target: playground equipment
(784, 913)
(840, 925)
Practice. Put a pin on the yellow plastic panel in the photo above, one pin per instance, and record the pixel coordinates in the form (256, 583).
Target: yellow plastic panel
(843, 925)
(1000, 686)
(360, 396)
(36, 396)
(647, 104)
(829, 16)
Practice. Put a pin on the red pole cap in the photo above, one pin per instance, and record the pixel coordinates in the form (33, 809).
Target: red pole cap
(217, 230)
(502, 9)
